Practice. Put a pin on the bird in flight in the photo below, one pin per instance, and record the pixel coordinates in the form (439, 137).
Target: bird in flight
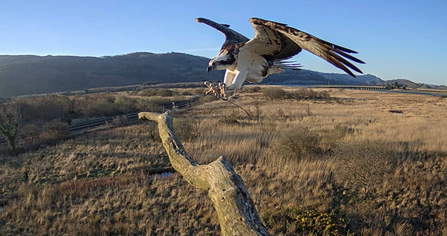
(267, 52)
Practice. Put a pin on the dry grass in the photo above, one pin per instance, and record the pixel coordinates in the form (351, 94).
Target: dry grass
(384, 173)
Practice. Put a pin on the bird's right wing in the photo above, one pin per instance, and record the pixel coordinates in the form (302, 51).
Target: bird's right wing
(231, 36)
(280, 41)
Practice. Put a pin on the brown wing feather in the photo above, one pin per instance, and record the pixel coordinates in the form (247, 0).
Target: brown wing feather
(296, 39)
(271, 44)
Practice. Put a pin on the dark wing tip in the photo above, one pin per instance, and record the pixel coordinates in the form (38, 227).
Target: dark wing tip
(232, 37)
(200, 20)
(331, 48)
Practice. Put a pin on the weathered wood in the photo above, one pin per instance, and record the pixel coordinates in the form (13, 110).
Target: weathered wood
(235, 209)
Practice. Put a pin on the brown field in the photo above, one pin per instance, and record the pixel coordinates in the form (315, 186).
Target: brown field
(376, 161)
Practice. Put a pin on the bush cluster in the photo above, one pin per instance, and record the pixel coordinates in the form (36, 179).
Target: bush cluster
(157, 92)
(46, 118)
(299, 220)
(275, 93)
(44, 108)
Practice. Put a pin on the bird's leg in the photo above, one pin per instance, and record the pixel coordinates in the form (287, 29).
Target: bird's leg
(222, 90)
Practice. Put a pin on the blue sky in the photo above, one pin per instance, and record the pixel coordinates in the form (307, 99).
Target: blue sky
(396, 38)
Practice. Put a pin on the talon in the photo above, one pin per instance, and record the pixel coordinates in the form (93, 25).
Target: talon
(222, 91)
(213, 89)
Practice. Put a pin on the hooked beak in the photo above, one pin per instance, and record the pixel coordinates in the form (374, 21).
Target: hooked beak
(210, 68)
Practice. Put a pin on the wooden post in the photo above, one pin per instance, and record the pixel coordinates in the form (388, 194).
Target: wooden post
(235, 209)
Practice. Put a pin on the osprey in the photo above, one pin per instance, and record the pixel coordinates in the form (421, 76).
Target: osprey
(267, 52)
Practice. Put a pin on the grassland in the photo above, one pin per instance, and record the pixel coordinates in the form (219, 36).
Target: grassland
(375, 161)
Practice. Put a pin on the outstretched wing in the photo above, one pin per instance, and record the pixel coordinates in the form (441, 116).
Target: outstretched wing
(278, 41)
(231, 36)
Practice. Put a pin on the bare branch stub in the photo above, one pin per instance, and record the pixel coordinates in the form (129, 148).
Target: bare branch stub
(235, 209)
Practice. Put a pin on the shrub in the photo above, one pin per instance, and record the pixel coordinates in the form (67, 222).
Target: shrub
(148, 92)
(298, 220)
(330, 139)
(274, 93)
(146, 105)
(364, 165)
(164, 93)
(199, 91)
(54, 130)
(299, 143)
(300, 94)
(309, 94)
(100, 107)
(31, 132)
(186, 128)
(97, 105)
(120, 121)
(9, 124)
(125, 104)
(186, 93)
(252, 89)
(161, 101)
(230, 118)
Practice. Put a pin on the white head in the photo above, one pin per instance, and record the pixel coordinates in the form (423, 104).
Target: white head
(226, 58)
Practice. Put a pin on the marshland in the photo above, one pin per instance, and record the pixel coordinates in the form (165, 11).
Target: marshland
(314, 161)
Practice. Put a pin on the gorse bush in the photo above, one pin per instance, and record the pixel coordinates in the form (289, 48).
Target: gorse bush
(299, 220)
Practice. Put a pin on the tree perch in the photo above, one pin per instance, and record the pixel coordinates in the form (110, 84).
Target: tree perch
(235, 209)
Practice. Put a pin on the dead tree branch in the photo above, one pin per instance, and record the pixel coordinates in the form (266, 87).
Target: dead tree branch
(235, 209)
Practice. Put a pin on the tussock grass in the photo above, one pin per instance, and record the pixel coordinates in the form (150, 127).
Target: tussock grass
(348, 158)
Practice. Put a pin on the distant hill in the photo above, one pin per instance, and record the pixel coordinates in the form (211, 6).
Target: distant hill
(410, 84)
(29, 74)
(308, 77)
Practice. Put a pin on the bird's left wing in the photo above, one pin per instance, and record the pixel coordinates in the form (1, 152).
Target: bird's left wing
(279, 41)
(231, 36)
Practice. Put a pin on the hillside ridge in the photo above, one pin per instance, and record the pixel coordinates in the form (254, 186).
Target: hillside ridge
(31, 74)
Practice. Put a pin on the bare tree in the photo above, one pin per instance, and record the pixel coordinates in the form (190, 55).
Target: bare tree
(9, 124)
(235, 209)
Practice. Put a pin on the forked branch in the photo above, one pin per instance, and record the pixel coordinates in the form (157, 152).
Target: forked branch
(235, 209)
